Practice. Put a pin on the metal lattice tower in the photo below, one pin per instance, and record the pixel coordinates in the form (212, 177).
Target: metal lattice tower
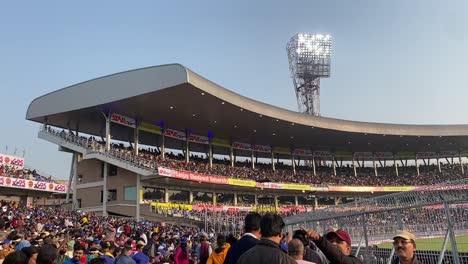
(309, 60)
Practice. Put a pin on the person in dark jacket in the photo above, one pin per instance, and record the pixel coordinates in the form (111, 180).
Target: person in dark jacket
(309, 254)
(336, 246)
(248, 240)
(268, 249)
(405, 247)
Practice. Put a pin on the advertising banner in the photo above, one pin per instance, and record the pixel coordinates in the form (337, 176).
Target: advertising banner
(426, 155)
(382, 155)
(241, 182)
(240, 145)
(190, 176)
(172, 206)
(282, 150)
(198, 139)
(260, 148)
(296, 187)
(123, 120)
(361, 155)
(150, 128)
(172, 133)
(302, 152)
(322, 154)
(12, 161)
(220, 142)
(448, 154)
(32, 185)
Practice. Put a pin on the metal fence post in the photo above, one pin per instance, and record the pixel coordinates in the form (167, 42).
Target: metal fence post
(456, 259)
(366, 239)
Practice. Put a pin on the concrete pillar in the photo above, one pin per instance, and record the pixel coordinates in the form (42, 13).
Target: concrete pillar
(136, 140)
(231, 155)
(334, 165)
(375, 166)
(417, 165)
(138, 188)
(256, 199)
(313, 165)
(296, 200)
(272, 160)
(190, 197)
(187, 148)
(235, 199)
(293, 164)
(166, 195)
(104, 188)
(108, 134)
(461, 164)
(76, 158)
(214, 199)
(438, 165)
(354, 167)
(211, 155)
(252, 159)
(276, 201)
(72, 177)
(396, 167)
(316, 202)
(163, 145)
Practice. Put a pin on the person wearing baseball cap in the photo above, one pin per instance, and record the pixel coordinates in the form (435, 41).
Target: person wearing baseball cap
(335, 245)
(6, 249)
(405, 247)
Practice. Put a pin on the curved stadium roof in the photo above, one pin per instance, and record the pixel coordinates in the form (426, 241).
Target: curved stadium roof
(184, 100)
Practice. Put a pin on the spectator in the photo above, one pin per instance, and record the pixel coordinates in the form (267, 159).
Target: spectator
(405, 247)
(335, 245)
(296, 251)
(125, 258)
(219, 254)
(17, 257)
(182, 254)
(47, 255)
(267, 250)
(78, 253)
(248, 240)
(6, 249)
(310, 254)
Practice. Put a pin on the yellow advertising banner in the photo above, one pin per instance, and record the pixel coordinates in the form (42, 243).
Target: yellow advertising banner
(295, 186)
(398, 188)
(150, 128)
(240, 182)
(220, 142)
(172, 205)
(282, 150)
(343, 154)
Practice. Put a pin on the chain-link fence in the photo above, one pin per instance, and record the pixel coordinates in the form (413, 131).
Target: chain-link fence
(437, 215)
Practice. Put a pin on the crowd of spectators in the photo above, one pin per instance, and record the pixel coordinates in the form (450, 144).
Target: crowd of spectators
(27, 174)
(263, 172)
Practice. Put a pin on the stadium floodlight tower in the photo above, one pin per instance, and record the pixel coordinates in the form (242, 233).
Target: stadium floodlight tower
(309, 60)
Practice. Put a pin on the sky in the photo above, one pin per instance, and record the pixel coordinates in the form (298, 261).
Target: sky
(393, 61)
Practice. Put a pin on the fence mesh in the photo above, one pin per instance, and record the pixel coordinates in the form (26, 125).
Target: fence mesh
(437, 215)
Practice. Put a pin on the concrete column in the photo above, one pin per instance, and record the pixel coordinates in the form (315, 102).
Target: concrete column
(293, 164)
(276, 201)
(396, 167)
(334, 165)
(235, 199)
(256, 199)
(163, 145)
(187, 148)
(438, 165)
(104, 188)
(76, 158)
(214, 199)
(316, 202)
(375, 166)
(231, 155)
(417, 165)
(461, 164)
(211, 155)
(136, 140)
(252, 159)
(71, 178)
(354, 167)
(296, 201)
(190, 197)
(166, 195)
(138, 188)
(108, 134)
(272, 160)
(313, 165)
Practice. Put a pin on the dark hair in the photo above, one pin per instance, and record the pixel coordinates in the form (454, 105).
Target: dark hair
(47, 254)
(17, 257)
(221, 240)
(29, 251)
(271, 225)
(78, 246)
(252, 222)
(301, 235)
(98, 261)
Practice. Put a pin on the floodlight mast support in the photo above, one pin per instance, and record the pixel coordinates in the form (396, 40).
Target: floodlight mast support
(309, 60)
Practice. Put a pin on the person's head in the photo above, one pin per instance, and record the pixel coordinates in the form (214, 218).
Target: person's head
(6, 244)
(127, 251)
(154, 237)
(78, 251)
(271, 227)
(17, 257)
(31, 254)
(221, 241)
(405, 245)
(252, 223)
(340, 239)
(296, 249)
(47, 254)
(94, 251)
(117, 251)
(302, 236)
(140, 247)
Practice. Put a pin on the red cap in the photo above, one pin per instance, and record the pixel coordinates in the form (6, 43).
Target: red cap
(341, 234)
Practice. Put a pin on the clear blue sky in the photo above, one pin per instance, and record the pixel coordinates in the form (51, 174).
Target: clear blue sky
(393, 61)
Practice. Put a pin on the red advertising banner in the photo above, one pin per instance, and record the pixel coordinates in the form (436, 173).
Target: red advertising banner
(260, 148)
(123, 120)
(13, 161)
(243, 146)
(302, 152)
(32, 185)
(198, 139)
(174, 134)
(190, 176)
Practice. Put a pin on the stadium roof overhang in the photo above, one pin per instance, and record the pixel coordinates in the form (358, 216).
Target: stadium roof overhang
(184, 100)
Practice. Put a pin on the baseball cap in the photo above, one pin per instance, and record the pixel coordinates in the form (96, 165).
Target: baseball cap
(6, 241)
(183, 240)
(406, 235)
(341, 234)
